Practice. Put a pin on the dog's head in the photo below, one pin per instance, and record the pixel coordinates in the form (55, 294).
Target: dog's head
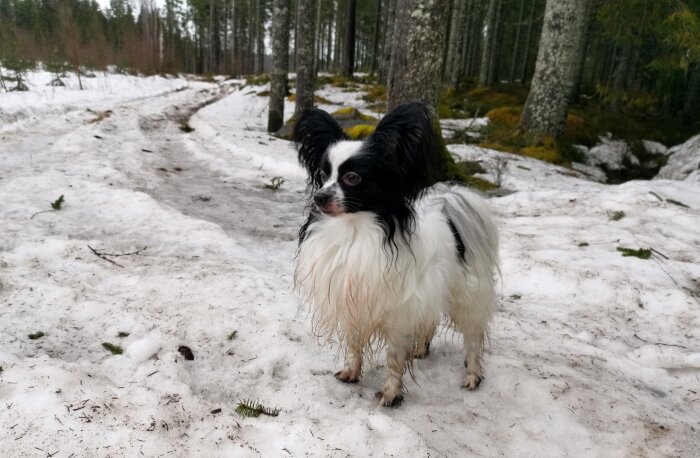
(383, 174)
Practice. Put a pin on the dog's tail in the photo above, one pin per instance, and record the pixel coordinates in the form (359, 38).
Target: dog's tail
(474, 230)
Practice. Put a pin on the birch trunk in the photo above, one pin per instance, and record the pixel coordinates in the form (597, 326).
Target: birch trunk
(280, 64)
(547, 104)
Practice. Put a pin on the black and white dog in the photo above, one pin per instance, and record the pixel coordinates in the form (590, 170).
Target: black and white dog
(384, 255)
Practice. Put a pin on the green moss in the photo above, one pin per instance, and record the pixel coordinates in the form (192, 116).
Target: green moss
(375, 93)
(543, 153)
(445, 112)
(352, 113)
(583, 244)
(641, 253)
(257, 80)
(359, 131)
(263, 94)
(508, 116)
(114, 349)
(317, 98)
(616, 215)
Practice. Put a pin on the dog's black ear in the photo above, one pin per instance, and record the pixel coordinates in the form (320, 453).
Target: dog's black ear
(408, 134)
(314, 131)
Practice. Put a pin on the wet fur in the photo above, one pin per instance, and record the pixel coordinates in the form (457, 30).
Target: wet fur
(402, 255)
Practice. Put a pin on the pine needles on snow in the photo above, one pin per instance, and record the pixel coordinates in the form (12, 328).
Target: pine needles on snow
(254, 409)
(641, 253)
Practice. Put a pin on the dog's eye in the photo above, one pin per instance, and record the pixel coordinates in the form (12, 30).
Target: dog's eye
(351, 179)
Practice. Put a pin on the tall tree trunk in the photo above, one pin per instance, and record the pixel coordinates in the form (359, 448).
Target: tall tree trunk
(516, 43)
(375, 39)
(692, 94)
(280, 64)
(329, 38)
(528, 43)
(339, 33)
(385, 66)
(460, 44)
(453, 41)
(620, 76)
(349, 40)
(489, 42)
(547, 103)
(416, 62)
(260, 38)
(581, 39)
(496, 44)
(306, 32)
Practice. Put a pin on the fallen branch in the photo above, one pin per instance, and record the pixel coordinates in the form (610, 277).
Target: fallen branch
(38, 213)
(101, 256)
(660, 343)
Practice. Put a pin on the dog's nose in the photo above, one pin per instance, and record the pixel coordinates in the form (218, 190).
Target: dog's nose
(321, 198)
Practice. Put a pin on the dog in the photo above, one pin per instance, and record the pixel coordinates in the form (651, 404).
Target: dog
(386, 253)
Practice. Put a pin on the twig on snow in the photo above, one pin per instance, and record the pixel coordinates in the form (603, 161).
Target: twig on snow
(660, 343)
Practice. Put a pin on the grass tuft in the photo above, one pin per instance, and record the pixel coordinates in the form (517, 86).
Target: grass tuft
(36, 335)
(122, 334)
(275, 184)
(233, 335)
(56, 205)
(186, 128)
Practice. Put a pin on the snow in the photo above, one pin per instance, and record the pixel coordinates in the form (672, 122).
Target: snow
(683, 162)
(591, 353)
(611, 153)
(100, 91)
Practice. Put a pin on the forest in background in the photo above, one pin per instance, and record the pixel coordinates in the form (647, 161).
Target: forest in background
(637, 58)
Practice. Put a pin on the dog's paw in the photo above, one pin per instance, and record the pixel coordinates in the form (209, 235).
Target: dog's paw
(388, 401)
(347, 375)
(472, 382)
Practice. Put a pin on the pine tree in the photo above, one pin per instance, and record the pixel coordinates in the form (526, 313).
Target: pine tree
(280, 64)
(306, 77)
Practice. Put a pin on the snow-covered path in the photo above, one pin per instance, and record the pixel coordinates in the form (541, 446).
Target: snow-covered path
(591, 354)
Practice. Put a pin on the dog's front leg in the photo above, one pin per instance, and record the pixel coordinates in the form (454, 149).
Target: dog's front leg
(392, 395)
(352, 371)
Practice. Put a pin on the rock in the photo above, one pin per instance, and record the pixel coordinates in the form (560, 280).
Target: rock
(683, 162)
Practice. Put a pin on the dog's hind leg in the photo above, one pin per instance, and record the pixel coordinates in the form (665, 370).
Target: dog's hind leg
(472, 321)
(397, 351)
(473, 347)
(352, 371)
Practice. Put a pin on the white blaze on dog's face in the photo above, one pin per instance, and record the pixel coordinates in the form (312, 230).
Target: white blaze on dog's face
(339, 175)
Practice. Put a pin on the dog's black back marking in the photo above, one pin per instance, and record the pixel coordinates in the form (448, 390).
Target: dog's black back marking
(459, 244)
